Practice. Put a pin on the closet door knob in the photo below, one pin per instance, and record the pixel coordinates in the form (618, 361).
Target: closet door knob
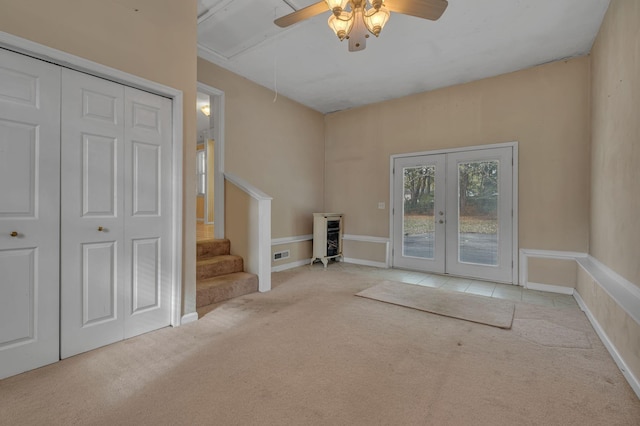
(14, 234)
(100, 228)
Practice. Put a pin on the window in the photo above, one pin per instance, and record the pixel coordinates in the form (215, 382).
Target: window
(201, 172)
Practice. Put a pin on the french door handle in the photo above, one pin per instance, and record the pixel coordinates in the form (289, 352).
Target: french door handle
(441, 221)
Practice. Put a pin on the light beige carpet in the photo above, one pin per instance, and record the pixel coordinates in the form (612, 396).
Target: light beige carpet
(547, 333)
(310, 353)
(483, 310)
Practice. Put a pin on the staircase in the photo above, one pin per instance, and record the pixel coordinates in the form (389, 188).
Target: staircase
(220, 276)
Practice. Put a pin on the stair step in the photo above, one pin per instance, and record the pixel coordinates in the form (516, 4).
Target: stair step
(218, 265)
(210, 248)
(225, 287)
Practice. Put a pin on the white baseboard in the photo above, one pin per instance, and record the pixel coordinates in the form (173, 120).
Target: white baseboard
(633, 381)
(550, 288)
(290, 265)
(187, 318)
(365, 262)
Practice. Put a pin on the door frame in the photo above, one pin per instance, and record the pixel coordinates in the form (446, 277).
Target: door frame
(216, 97)
(514, 231)
(58, 57)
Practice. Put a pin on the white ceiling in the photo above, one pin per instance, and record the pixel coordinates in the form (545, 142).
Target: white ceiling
(474, 39)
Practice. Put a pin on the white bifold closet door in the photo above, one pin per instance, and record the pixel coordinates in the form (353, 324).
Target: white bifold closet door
(29, 213)
(116, 212)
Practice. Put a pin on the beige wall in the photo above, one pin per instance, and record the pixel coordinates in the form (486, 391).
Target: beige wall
(361, 250)
(200, 208)
(157, 42)
(558, 272)
(545, 109)
(236, 225)
(277, 147)
(298, 252)
(615, 160)
(615, 172)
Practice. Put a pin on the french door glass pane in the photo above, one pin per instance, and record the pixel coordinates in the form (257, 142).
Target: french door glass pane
(418, 224)
(478, 212)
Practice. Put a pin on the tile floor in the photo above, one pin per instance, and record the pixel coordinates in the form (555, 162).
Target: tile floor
(464, 285)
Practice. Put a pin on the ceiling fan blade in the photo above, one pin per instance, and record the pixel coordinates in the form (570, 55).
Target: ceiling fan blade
(426, 9)
(302, 14)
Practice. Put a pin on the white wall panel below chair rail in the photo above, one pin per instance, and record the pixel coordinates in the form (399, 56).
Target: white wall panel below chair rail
(347, 259)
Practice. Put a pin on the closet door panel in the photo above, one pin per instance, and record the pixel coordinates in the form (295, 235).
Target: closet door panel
(93, 272)
(99, 176)
(18, 177)
(99, 283)
(29, 212)
(148, 228)
(146, 274)
(146, 184)
(18, 304)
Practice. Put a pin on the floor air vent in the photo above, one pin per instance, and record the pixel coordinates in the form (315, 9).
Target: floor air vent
(279, 255)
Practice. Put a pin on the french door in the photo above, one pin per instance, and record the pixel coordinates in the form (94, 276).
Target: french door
(453, 213)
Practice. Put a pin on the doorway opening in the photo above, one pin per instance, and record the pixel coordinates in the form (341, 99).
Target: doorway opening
(210, 163)
(455, 212)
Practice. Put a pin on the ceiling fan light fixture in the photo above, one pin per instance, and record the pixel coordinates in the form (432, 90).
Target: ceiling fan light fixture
(376, 4)
(336, 6)
(341, 24)
(375, 19)
(357, 19)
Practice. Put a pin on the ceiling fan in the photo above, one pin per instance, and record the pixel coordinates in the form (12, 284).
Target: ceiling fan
(352, 20)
